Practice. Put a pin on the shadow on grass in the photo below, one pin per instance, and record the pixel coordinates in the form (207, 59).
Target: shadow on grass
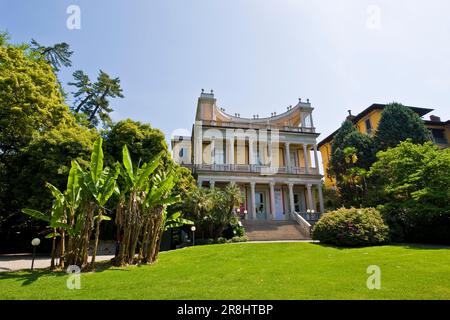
(29, 277)
(416, 246)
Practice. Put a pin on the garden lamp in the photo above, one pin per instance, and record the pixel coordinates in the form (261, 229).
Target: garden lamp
(193, 235)
(35, 242)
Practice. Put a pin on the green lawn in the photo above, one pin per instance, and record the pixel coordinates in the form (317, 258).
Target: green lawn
(254, 271)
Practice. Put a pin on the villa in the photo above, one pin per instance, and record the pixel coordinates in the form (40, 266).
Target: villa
(367, 122)
(273, 160)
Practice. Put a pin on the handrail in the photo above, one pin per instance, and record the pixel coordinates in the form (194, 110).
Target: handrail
(304, 225)
(254, 168)
(230, 124)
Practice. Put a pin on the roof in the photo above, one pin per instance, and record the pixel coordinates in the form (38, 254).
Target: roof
(376, 106)
(438, 123)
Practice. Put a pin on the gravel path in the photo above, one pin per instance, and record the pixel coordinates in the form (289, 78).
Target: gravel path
(14, 262)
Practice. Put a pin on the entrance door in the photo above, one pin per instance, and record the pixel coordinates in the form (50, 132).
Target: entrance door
(279, 210)
(260, 205)
(297, 202)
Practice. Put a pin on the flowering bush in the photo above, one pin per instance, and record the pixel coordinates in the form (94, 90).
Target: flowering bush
(352, 227)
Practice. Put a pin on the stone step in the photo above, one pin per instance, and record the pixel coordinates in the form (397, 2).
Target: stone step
(274, 230)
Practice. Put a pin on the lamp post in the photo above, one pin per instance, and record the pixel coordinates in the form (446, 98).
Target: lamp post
(193, 235)
(35, 242)
(245, 214)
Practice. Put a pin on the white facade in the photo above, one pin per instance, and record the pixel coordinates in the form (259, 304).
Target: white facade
(273, 160)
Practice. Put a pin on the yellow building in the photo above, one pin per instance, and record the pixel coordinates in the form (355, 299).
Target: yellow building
(367, 122)
(273, 160)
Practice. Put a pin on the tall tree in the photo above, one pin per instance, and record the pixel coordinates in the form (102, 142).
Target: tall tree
(397, 124)
(352, 154)
(38, 137)
(143, 141)
(57, 55)
(93, 99)
(85, 90)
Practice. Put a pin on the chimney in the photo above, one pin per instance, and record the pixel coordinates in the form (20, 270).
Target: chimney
(435, 118)
(350, 116)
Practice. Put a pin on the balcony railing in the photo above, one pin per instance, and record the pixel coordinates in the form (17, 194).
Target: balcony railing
(254, 168)
(249, 125)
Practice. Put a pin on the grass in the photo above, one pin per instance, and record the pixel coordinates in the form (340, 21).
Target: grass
(253, 271)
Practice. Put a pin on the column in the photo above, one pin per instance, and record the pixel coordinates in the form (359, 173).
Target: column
(252, 198)
(287, 157)
(231, 152)
(212, 184)
(198, 144)
(319, 188)
(291, 197)
(250, 151)
(305, 156)
(213, 147)
(199, 183)
(269, 161)
(316, 158)
(272, 200)
(309, 197)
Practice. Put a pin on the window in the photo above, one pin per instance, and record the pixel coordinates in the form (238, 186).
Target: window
(297, 203)
(219, 155)
(181, 152)
(439, 136)
(259, 203)
(368, 126)
(307, 121)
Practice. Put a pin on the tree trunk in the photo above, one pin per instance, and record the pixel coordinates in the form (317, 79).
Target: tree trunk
(62, 250)
(93, 113)
(144, 245)
(97, 235)
(98, 106)
(82, 103)
(52, 262)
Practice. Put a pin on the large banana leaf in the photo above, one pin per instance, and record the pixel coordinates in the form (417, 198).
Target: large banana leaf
(127, 163)
(73, 186)
(36, 214)
(175, 221)
(55, 192)
(96, 166)
(107, 189)
(149, 168)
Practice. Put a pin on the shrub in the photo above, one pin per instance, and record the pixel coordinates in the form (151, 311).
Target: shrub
(413, 184)
(234, 229)
(221, 240)
(352, 227)
(239, 239)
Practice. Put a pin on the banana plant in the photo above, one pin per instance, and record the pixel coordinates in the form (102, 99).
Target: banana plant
(175, 220)
(134, 192)
(155, 206)
(100, 184)
(55, 220)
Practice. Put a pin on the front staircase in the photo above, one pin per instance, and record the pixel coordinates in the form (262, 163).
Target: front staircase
(274, 231)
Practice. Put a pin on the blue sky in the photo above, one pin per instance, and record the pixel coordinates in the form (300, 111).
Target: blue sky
(258, 56)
